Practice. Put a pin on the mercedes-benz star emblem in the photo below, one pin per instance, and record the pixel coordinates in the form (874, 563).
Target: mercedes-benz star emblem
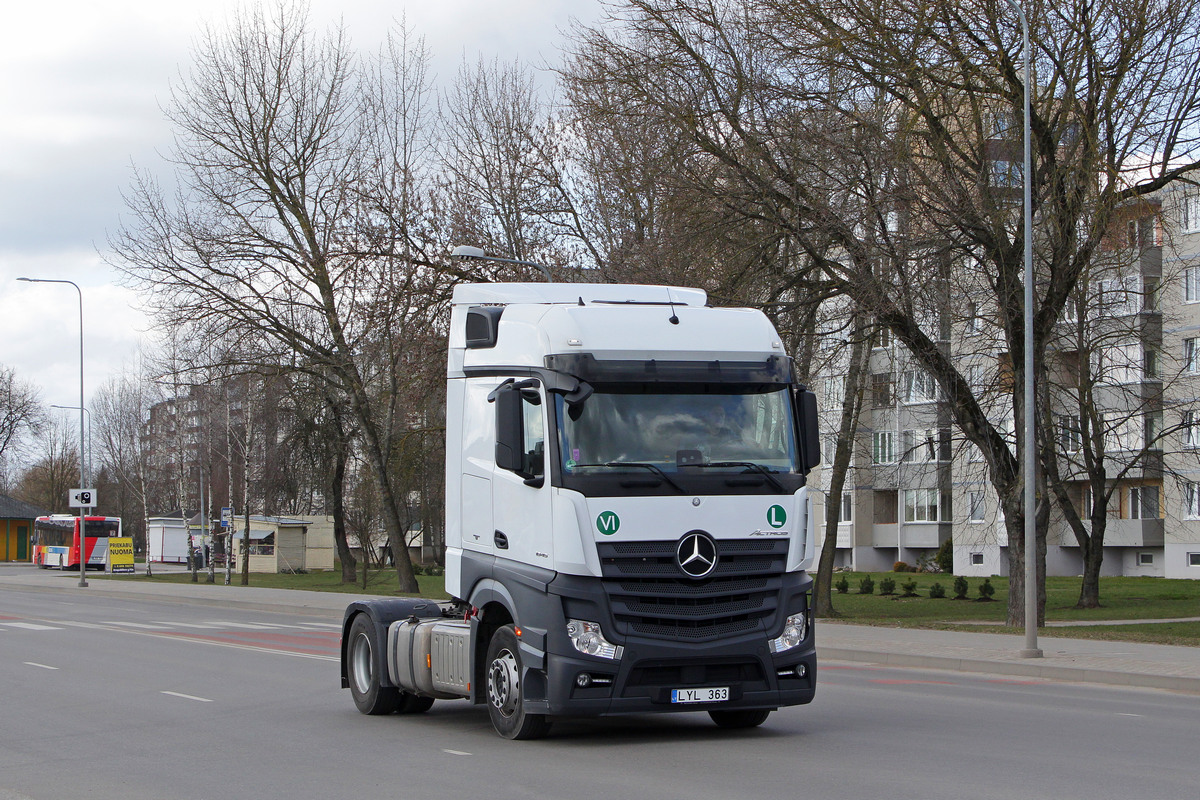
(697, 554)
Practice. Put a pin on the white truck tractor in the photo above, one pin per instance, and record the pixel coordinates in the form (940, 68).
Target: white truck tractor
(628, 525)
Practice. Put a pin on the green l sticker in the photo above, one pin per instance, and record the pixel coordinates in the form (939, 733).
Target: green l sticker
(608, 523)
(776, 516)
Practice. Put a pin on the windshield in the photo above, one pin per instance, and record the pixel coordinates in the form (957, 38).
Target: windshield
(669, 436)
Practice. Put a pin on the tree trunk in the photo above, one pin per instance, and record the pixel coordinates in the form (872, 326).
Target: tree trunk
(851, 411)
(337, 490)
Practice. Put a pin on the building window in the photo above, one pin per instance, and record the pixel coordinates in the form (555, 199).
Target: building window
(846, 508)
(1189, 429)
(976, 506)
(972, 318)
(922, 505)
(883, 447)
(1194, 559)
(1143, 502)
(1191, 357)
(1145, 559)
(882, 337)
(1119, 363)
(976, 559)
(1191, 500)
(1191, 214)
(1119, 297)
(881, 389)
(834, 392)
(919, 387)
(1070, 434)
(1124, 431)
(831, 441)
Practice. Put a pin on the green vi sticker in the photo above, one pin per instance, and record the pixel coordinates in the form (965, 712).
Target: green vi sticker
(776, 516)
(608, 523)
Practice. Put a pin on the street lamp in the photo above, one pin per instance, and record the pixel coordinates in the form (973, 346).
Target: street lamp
(465, 252)
(83, 483)
(1027, 465)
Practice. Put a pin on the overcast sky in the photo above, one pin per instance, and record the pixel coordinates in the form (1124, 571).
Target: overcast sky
(82, 85)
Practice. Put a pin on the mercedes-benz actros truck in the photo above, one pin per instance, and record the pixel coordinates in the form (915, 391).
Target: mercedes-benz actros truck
(628, 525)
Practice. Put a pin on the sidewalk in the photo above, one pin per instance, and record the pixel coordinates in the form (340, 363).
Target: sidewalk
(1076, 660)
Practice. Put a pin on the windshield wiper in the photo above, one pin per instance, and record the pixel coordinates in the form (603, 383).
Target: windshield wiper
(750, 465)
(641, 465)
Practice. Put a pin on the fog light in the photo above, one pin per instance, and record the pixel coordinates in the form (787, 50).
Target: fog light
(587, 638)
(583, 680)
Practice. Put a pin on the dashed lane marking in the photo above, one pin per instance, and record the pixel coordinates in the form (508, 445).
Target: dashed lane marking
(189, 697)
(30, 626)
(40, 666)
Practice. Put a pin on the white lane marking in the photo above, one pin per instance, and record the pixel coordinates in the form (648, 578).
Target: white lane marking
(92, 625)
(189, 697)
(41, 666)
(248, 626)
(188, 625)
(334, 625)
(455, 752)
(1120, 714)
(30, 626)
(141, 625)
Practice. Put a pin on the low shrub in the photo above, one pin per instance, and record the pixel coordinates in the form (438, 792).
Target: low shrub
(909, 589)
(842, 585)
(986, 590)
(945, 557)
(901, 566)
(887, 587)
(961, 587)
(937, 590)
(866, 585)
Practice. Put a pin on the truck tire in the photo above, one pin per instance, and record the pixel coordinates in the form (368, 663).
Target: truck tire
(361, 649)
(506, 706)
(743, 718)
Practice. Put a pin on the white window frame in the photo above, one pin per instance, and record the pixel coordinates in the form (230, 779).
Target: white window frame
(922, 506)
(1190, 429)
(976, 506)
(1191, 500)
(919, 387)
(976, 559)
(1193, 559)
(883, 447)
(1191, 356)
(1145, 559)
(1138, 497)
(846, 510)
(1189, 215)
(1070, 435)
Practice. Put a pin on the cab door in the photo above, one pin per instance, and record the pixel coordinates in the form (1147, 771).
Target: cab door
(520, 492)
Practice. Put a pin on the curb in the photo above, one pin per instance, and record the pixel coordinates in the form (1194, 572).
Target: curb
(1023, 669)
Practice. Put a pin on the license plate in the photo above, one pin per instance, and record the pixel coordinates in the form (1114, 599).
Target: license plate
(712, 694)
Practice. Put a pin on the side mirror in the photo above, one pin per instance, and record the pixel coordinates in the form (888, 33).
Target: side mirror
(509, 428)
(809, 429)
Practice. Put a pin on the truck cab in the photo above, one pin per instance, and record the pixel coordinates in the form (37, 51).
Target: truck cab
(628, 522)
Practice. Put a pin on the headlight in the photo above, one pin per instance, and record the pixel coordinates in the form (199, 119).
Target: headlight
(589, 640)
(794, 631)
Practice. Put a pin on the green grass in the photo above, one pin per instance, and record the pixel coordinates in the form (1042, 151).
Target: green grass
(1120, 598)
(380, 582)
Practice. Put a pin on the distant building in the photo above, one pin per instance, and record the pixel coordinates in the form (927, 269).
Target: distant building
(16, 528)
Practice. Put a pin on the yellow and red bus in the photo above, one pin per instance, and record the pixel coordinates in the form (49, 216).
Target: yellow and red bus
(56, 540)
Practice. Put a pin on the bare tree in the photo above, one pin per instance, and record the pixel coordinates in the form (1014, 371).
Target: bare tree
(279, 237)
(889, 131)
(21, 414)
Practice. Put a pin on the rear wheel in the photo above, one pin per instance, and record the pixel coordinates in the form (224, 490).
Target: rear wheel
(743, 718)
(506, 705)
(369, 696)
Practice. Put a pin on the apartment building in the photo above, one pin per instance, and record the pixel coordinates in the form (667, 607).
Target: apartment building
(1132, 336)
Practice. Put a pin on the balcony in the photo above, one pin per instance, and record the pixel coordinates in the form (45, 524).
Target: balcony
(1133, 533)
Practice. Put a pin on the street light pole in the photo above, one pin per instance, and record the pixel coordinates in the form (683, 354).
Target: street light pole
(83, 483)
(465, 252)
(1031, 649)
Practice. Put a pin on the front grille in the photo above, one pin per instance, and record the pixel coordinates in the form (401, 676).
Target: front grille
(651, 596)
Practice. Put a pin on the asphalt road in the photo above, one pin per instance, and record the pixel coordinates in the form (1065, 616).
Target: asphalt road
(127, 699)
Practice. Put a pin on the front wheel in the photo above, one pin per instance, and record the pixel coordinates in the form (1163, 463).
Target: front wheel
(744, 718)
(369, 696)
(506, 705)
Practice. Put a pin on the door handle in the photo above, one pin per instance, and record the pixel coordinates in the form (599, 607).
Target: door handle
(501, 541)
